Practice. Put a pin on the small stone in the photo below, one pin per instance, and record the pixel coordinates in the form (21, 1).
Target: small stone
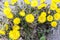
(20, 38)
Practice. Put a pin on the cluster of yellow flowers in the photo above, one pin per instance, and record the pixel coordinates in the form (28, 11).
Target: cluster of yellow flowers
(7, 12)
(41, 4)
(14, 34)
(12, 2)
(53, 6)
(34, 3)
(3, 31)
(7, 8)
(42, 18)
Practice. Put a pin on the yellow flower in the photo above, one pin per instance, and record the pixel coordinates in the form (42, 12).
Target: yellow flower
(2, 32)
(16, 21)
(34, 3)
(29, 18)
(50, 18)
(42, 1)
(54, 24)
(22, 13)
(16, 27)
(57, 16)
(43, 13)
(13, 1)
(9, 15)
(27, 1)
(6, 27)
(41, 6)
(53, 6)
(6, 10)
(13, 34)
(55, 1)
(58, 10)
(48, 12)
(42, 19)
(6, 4)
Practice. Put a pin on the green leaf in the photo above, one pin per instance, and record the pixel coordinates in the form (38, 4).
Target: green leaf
(43, 38)
(47, 31)
(10, 39)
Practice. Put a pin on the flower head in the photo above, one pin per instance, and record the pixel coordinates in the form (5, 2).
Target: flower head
(6, 4)
(29, 18)
(50, 18)
(34, 3)
(48, 12)
(2, 32)
(41, 6)
(54, 24)
(16, 27)
(27, 1)
(41, 19)
(43, 13)
(22, 13)
(53, 6)
(13, 1)
(42, 1)
(9, 15)
(58, 10)
(6, 10)
(13, 34)
(56, 16)
(16, 21)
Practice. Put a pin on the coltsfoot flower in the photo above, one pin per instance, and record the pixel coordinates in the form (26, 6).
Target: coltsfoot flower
(57, 16)
(50, 18)
(13, 1)
(6, 10)
(2, 32)
(41, 19)
(14, 35)
(27, 1)
(6, 4)
(22, 13)
(16, 20)
(54, 24)
(42, 1)
(16, 27)
(53, 6)
(9, 15)
(34, 3)
(43, 13)
(29, 18)
(41, 6)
